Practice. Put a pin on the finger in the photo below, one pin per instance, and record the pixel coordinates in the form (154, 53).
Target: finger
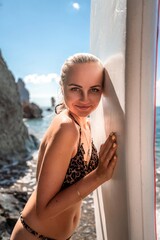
(112, 165)
(113, 162)
(108, 144)
(112, 134)
(109, 153)
(111, 137)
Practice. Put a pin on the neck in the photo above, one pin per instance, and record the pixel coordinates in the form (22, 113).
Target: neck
(82, 121)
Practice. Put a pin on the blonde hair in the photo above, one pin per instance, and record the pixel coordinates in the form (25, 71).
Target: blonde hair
(78, 58)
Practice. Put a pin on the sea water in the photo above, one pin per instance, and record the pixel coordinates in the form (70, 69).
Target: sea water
(38, 127)
(157, 145)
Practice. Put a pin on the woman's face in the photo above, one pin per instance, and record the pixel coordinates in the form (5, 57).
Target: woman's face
(82, 89)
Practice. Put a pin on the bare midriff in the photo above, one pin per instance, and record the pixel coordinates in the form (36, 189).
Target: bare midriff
(60, 227)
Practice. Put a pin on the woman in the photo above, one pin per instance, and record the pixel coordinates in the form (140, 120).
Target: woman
(68, 166)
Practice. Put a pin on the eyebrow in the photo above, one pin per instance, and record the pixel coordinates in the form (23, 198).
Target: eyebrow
(73, 84)
(76, 85)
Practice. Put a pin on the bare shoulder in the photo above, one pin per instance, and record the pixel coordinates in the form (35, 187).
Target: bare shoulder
(64, 123)
(59, 143)
(62, 126)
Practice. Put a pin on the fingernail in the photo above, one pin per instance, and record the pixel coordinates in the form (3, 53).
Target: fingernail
(111, 134)
(113, 137)
(114, 145)
(115, 157)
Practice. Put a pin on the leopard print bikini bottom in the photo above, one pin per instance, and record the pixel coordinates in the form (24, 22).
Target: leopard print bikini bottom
(33, 232)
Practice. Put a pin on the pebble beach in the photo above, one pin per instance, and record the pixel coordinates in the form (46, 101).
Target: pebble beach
(17, 181)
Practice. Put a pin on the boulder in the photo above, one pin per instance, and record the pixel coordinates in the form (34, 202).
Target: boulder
(11, 205)
(31, 110)
(14, 136)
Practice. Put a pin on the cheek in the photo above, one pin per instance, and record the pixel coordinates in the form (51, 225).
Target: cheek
(96, 98)
(68, 97)
(65, 93)
(96, 102)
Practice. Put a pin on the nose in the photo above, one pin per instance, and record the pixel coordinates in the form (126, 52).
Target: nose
(84, 96)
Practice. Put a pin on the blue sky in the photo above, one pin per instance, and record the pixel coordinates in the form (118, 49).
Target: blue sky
(38, 35)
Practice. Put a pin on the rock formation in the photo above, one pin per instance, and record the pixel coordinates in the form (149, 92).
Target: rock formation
(30, 110)
(14, 138)
(53, 101)
(24, 93)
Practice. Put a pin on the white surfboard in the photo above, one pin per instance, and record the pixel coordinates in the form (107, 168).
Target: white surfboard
(123, 36)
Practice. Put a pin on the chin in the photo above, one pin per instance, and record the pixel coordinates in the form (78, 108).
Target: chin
(83, 113)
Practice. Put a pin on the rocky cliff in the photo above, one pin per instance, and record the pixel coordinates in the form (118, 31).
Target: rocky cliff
(14, 138)
(24, 93)
(30, 110)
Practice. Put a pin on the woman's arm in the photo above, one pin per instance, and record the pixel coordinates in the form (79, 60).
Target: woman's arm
(61, 145)
(75, 193)
(51, 202)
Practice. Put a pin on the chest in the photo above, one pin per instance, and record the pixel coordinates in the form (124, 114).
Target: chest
(78, 168)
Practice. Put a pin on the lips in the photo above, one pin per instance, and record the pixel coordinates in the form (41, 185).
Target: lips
(83, 107)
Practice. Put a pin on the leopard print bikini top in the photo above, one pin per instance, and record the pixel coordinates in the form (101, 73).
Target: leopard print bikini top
(78, 168)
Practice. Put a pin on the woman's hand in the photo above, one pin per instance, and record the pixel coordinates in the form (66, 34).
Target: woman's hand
(107, 158)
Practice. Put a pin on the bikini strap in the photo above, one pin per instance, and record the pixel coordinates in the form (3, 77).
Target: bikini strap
(80, 131)
(74, 119)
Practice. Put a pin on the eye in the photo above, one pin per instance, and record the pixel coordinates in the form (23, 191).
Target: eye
(75, 89)
(95, 90)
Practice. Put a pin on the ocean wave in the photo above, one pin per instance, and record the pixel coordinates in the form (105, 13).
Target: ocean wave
(158, 222)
